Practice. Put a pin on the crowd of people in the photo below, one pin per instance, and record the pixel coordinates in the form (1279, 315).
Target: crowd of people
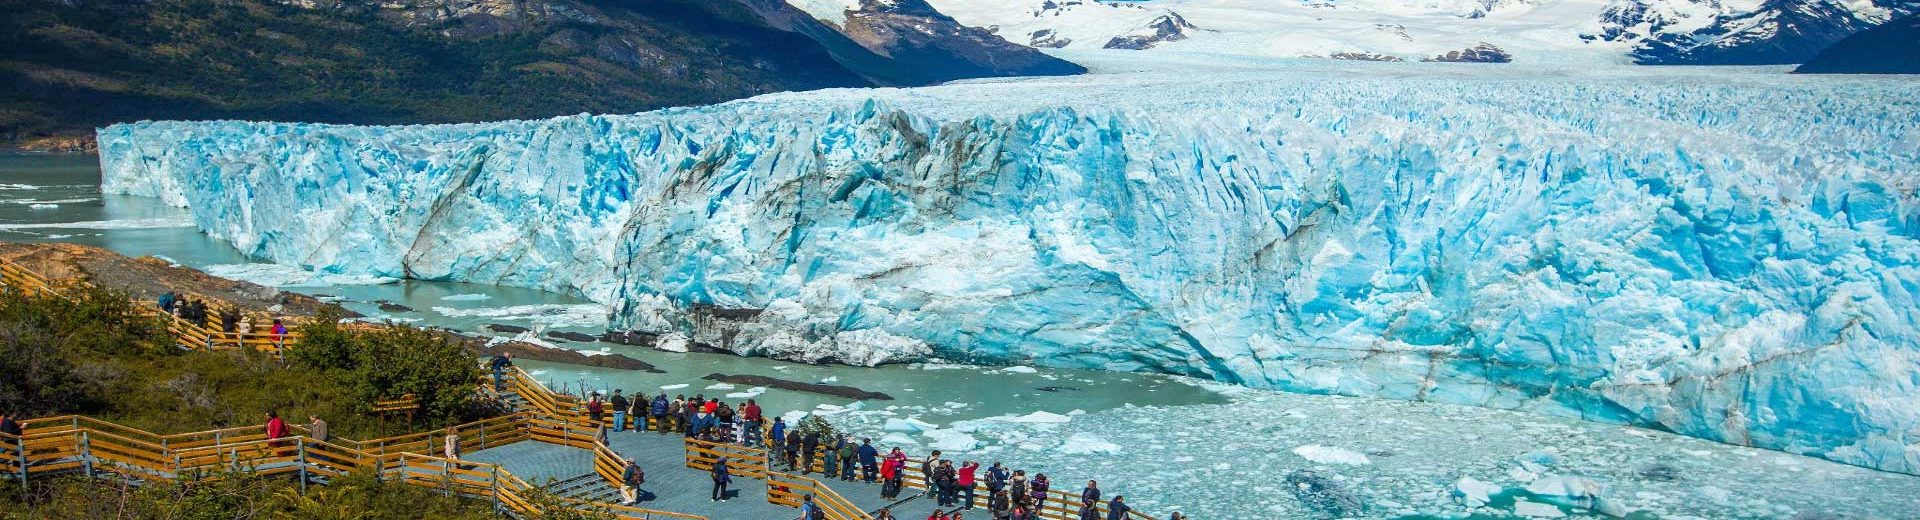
(1007, 495)
(231, 321)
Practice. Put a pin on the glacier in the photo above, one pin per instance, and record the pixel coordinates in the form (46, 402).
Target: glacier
(1726, 255)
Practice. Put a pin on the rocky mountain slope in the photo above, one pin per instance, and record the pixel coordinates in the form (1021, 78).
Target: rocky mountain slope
(1891, 48)
(71, 66)
(1777, 32)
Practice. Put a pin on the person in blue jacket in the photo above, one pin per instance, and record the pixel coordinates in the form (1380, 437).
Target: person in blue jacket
(720, 480)
(659, 412)
(869, 460)
(778, 434)
(1091, 495)
(1117, 509)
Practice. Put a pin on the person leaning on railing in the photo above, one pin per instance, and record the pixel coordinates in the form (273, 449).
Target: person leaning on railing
(499, 364)
(9, 426)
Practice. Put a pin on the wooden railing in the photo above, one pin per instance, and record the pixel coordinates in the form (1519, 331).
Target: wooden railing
(186, 334)
(791, 490)
(67, 443)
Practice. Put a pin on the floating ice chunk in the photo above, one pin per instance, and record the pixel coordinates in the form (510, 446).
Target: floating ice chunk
(1037, 418)
(721, 386)
(1085, 443)
(909, 424)
(1537, 510)
(675, 386)
(1331, 455)
(1473, 492)
(580, 315)
(897, 438)
(831, 379)
(674, 342)
(1565, 486)
(276, 275)
(749, 394)
(132, 223)
(954, 405)
(1020, 370)
(951, 440)
(471, 297)
(43, 206)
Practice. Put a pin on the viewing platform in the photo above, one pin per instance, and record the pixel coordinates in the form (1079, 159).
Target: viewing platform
(544, 454)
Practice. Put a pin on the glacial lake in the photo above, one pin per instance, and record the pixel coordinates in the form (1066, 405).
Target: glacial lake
(1168, 443)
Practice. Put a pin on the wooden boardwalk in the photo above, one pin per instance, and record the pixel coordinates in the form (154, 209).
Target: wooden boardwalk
(672, 486)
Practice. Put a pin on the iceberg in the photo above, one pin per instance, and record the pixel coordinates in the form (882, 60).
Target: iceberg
(1729, 257)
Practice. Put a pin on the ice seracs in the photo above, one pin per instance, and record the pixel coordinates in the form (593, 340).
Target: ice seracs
(1729, 257)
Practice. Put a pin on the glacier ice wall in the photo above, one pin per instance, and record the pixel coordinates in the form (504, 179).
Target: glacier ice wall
(1729, 258)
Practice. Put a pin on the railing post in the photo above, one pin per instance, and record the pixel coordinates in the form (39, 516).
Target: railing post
(86, 453)
(494, 480)
(303, 465)
(21, 443)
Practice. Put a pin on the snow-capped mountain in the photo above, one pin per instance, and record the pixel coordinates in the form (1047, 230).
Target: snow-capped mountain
(1776, 32)
(1642, 31)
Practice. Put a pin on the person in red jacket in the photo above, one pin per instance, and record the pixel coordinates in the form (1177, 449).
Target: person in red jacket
(966, 482)
(751, 413)
(276, 429)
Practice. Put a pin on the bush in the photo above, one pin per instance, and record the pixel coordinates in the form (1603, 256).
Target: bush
(92, 353)
(392, 362)
(234, 496)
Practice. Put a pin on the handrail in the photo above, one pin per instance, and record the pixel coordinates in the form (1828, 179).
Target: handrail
(186, 334)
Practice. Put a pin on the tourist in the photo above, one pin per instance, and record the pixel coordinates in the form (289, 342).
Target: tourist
(777, 435)
(967, 482)
(807, 509)
(620, 406)
(943, 483)
(937, 515)
(1038, 488)
(809, 448)
(1020, 512)
(278, 333)
(229, 320)
(1092, 493)
(751, 414)
(869, 460)
(720, 480)
(1177, 516)
(846, 458)
(1117, 509)
(10, 426)
(687, 415)
(724, 416)
(595, 409)
(276, 429)
(997, 476)
(499, 365)
(793, 449)
(675, 412)
(927, 467)
(831, 450)
(660, 404)
(246, 327)
(999, 506)
(955, 515)
(893, 475)
(451, 444)
(1017, 486)
(630, 480)
(750, 434)
(1088, 512)
(884, 514)
(166, 300)
(316, 428)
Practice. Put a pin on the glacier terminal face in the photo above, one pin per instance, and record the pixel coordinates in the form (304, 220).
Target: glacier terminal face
(1732, 258)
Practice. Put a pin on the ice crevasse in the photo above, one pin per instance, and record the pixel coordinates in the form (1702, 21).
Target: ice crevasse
(1729, 259)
